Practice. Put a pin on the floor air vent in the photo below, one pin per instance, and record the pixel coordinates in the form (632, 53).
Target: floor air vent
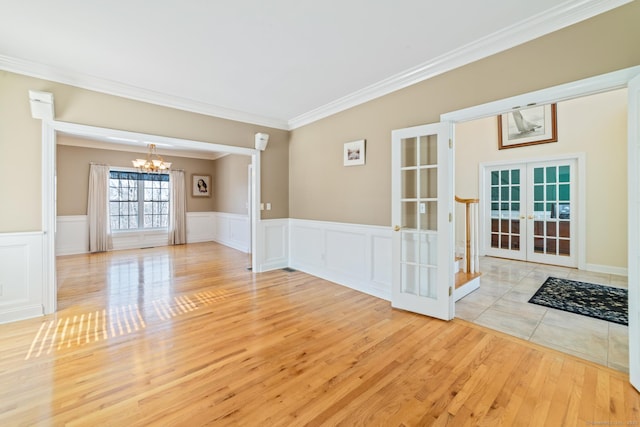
(288, 269)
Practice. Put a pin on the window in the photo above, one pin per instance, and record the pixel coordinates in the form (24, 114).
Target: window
(138, 201)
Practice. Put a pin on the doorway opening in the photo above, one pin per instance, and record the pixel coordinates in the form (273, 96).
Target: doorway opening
(543, 214)
(51, 129)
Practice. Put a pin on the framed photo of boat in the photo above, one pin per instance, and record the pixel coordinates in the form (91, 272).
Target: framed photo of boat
(528, 126)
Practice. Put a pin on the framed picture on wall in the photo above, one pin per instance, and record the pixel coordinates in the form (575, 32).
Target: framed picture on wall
(528, 126)
(353, 153)
(201, 185)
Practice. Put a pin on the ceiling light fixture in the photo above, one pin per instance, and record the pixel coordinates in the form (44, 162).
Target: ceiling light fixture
(153, 162)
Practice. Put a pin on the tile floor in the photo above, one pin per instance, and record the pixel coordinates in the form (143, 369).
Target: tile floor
(501, 304)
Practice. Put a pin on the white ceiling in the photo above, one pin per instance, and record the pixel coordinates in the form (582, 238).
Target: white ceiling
(279, 63)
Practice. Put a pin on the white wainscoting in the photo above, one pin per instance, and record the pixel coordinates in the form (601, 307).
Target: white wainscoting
(233, 230)
(72, 235)
(201, 227)
(356, 256)
(21, 276)
(227, 229)
(275, 238)
(139, 239)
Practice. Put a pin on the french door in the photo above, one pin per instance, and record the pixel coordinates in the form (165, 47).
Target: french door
(422, 200)
(530, 213)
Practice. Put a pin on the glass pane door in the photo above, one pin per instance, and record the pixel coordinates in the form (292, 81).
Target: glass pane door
(419, 207)
(506, 216)
(553, 186)
(422, 247)
(529, 214)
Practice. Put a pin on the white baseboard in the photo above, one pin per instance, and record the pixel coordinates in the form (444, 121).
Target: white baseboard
(607, 269)
(13, 314)
(356, 256)
(21, 276)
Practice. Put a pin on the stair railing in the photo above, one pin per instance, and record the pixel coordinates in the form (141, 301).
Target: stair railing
(471, 255)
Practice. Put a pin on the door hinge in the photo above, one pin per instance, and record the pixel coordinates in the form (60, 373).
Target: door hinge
(450, 291)
(450, 217)
(450, 143)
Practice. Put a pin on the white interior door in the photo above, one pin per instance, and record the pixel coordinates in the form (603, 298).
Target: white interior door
(530, 213)
(505, 211)
(551, 225)
(422, 206)
(634, 231)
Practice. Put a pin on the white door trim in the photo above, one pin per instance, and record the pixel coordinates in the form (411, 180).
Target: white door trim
(577, 89)
(581, 175)
(49, 130)
(634, 227)
(602, 83)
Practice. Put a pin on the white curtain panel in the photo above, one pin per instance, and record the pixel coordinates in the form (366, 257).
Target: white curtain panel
(98, 209)
(178, 215)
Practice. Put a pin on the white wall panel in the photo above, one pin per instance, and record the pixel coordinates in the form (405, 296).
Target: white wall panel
(276, 244)
(72, 235)
(346, 253)
(201, 227)
(307, 244)
(233, 230)
(139, 239)
(21, 276)
(357, 256)
(381, 262)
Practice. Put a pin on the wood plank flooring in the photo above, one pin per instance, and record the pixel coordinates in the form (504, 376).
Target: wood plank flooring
(188, 336)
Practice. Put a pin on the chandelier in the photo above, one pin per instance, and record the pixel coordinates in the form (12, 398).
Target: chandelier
(153, 162)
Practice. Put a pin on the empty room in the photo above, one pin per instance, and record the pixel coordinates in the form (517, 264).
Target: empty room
(258, 214)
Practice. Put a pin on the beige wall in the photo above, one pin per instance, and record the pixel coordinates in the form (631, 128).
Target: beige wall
(20, 158)
(594, 125)
(73, 175)
(322, 189)
(20, 141)
(231, 184)
(306, 179)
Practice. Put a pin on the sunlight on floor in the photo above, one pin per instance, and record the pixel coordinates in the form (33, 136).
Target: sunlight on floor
(113, 322)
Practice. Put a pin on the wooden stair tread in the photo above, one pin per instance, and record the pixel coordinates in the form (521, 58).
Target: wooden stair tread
(463, 278)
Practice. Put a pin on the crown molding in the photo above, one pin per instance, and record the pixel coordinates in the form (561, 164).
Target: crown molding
(561, 16)
(84, 81)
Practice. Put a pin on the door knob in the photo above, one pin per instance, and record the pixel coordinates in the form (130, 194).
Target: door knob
(530, 216)
(396, 228)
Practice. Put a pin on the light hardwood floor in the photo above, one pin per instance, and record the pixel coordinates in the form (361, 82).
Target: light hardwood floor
(188, 336)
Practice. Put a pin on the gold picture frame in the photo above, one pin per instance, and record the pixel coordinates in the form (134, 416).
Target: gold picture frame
(528, 126)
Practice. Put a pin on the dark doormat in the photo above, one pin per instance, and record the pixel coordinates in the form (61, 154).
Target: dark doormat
(597, 301)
